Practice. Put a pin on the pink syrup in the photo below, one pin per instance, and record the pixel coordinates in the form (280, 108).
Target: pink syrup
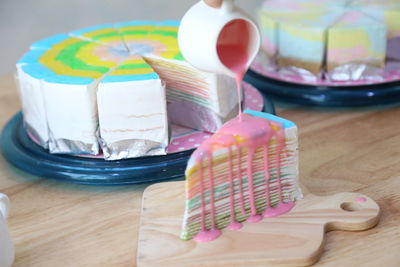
(361, 199)
(213, 233)
(232, 48)
(280, 209)
(234, 225)
(233, 51)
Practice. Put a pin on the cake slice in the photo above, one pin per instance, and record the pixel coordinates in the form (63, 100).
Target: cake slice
(196, 99)
(71, 114)
(246, 171)
(302, 40)
(138, 122)
(387, 12)
(29, 75)
(269, 35)
(357, 40)
(31, 95)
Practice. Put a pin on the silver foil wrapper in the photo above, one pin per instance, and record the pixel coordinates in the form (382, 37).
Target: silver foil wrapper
(65, 146)
(299, 72)
(118, 150)
(355, 72)
(347, 72)
(131, 149)
(34, 135)
(192, 115)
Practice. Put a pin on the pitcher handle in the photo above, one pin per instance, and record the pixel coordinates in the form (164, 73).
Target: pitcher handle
(4, 205)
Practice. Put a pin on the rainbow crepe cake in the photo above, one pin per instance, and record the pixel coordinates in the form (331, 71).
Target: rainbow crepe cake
(246, 171)
(337, 38)
(115, 89)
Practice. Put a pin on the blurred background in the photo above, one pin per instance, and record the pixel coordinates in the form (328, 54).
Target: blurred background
(25, 21)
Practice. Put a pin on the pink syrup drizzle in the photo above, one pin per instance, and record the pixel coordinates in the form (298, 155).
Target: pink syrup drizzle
(207, 235)
(361, 199)
(234, 225)
(203, 202)
(212, 186)
(267, 186)
(280, 139)
(254, 217)
(232, 48)
(241, 194)
(254, 132)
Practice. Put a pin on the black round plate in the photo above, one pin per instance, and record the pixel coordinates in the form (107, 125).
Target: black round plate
(344, 96)
(23, 153)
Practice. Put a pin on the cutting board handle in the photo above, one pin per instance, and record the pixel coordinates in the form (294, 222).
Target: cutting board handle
(345, 211)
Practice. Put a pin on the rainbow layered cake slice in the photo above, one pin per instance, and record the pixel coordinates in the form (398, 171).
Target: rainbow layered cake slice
(304, 47)
(246, 171)
(355, 40)
(141, 128)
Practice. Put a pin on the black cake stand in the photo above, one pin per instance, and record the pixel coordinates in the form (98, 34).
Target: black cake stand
(327, 96)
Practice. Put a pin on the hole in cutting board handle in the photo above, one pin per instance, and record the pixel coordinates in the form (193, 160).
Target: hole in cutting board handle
(350, 206)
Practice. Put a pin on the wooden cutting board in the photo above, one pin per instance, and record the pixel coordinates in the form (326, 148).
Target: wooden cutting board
(293, 239)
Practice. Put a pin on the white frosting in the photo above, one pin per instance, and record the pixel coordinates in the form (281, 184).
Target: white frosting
(71, 114)
(133, 110)
(33, 106)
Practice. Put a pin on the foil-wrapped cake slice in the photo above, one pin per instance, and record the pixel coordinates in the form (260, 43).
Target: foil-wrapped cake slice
(35, 118)
(356, 47)
(132, 111)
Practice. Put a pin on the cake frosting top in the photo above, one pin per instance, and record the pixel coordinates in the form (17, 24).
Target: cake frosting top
(246, 131)
(106, 52)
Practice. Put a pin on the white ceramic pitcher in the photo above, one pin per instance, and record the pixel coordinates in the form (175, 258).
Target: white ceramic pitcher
(199, 31)
(6, 245)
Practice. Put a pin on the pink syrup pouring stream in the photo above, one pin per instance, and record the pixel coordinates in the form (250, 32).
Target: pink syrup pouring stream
(232, 48)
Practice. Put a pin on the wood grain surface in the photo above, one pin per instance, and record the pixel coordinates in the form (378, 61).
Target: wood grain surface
(293, 239)
(59, 224)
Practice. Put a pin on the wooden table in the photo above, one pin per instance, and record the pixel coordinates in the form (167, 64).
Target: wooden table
(60, 224)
